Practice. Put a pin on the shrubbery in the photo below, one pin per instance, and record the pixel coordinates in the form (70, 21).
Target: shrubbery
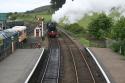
(103, 27)
(118, 34)
(116, 46)
(119, 47)
(75, 28)
(100, 27)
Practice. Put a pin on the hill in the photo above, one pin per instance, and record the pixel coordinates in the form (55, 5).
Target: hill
(43, 11)
(40, 9)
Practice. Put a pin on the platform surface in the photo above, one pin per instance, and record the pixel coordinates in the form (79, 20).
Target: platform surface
(112, 63)
(16, 67)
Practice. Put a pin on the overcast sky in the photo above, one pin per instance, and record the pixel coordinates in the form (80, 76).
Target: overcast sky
(21, 5)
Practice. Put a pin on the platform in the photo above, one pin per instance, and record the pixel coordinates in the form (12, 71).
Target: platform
(112, 63)
(16, 67)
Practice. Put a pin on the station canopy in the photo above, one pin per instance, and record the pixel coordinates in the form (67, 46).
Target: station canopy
(3, 16)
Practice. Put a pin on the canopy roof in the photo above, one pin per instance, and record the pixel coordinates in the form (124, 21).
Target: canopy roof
(19, 28)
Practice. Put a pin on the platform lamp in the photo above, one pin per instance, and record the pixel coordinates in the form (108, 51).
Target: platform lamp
(12, 38)
(42, 28)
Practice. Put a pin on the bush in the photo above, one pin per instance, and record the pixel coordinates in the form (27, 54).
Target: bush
(100, 27)
(75, 28)
(115, 47)
(118, 34)
(119, 47)
(118, 30)
(84, 42)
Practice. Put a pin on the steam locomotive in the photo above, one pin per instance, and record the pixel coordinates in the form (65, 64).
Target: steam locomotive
(52, 31)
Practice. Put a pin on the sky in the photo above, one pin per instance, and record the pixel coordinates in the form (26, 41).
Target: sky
(21, 5)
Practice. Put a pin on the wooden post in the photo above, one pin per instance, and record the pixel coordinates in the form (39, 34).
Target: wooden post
(12, 38)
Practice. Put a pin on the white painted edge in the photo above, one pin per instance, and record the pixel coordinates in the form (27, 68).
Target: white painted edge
(104, 74)
(28, 78)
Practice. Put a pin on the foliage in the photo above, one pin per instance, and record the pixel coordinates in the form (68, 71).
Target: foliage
(84, 22)
(100, 27)
(119, 46)
(116, 46)
(56, 4)
(118, 31)
(31, 16)
(84, 41)
(118, 34)
(46, 8)
(75, 28)
(13, 17)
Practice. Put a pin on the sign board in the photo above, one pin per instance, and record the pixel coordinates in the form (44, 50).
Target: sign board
(3, 16)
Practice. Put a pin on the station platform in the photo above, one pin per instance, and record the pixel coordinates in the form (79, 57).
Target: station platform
(112, 63)
(16, 67)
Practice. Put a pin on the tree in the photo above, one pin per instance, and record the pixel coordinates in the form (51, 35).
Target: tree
(56, 4)
(13, 16)
(101, 26)
(118, 31)
(118, 34)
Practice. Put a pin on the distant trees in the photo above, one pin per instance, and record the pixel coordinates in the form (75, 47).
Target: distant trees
(118, 30)
(118, 34)
(12, 16)
(56, 4)
(100, 27)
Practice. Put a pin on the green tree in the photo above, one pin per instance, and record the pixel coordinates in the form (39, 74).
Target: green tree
(101, 26)
(118, 30)
(56, 4)
(13, 17)
(118, 34)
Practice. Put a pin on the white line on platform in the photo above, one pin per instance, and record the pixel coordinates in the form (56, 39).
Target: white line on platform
(28, 78)
(104, 74)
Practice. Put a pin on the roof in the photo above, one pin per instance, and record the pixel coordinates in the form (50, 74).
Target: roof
(10, 32)
(19, 28)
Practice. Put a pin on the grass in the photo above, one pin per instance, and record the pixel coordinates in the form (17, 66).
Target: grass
(84, 41)
(32, 16)
(84, 22)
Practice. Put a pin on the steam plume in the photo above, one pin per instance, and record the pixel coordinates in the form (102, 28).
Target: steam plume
(72, 11)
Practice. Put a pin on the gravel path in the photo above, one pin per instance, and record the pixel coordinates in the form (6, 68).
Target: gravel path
(113, 63)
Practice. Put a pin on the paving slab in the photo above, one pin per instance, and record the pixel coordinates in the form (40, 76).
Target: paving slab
(16, 67)
(113, 63)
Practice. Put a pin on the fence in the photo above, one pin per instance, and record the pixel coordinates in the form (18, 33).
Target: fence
(4, 52)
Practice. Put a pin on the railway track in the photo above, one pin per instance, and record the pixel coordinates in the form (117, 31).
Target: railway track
(66, 63)
(79, 69)
(51, 73)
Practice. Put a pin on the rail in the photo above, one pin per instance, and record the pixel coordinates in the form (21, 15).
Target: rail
(94, 76)
(51, 73)
(75, 61)
(104, 74)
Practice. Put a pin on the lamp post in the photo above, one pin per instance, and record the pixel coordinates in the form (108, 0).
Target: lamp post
(12, 38)
(42, 28)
